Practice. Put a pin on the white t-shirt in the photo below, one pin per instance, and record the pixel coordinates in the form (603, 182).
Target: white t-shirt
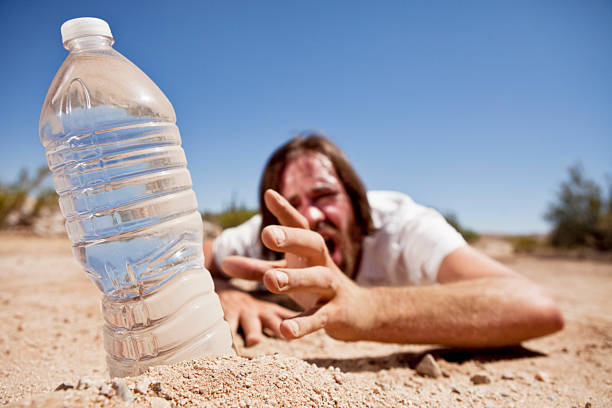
(407, 248)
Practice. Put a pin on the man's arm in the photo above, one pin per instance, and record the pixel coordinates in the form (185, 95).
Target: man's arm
(209, 260)
(483, 304)
(482, 312)
(479, 303)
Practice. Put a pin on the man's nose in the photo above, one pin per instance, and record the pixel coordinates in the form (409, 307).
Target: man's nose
(313, 214)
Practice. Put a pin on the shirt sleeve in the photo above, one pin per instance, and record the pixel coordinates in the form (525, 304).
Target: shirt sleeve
(241, 240)
(426, 239)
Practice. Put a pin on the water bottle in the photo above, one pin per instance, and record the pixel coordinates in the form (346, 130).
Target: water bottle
(114, 149)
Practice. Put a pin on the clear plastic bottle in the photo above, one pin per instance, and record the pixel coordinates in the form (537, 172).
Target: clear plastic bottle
(115, 153)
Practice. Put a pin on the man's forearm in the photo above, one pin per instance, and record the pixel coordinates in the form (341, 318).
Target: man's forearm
(495, 311)
(209, 261)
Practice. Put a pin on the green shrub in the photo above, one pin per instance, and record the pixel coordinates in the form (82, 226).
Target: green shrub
(468, 234)
(232, 216)
(524, 244)
(580, 216)
(13, 197)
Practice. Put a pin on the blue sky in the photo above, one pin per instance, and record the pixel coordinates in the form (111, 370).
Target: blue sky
(475, 107)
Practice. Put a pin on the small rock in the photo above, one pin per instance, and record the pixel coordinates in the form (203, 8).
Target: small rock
(587, 405)
(123, 391)
(64, 386)
(455, 390)
(156, 386)
(106, 391)
(87, 382)
(480, 379)
(338, 378)
(507, 376)
(157, 402)
(428, 367)
(541, 376)
(142, 386)
(503, 394)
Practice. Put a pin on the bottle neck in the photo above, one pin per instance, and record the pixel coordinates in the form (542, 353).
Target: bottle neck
(90, 42)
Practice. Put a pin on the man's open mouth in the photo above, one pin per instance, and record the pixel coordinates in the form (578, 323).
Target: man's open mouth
(330, 245)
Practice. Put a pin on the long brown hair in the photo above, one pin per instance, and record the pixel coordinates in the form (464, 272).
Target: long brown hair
(314, 142)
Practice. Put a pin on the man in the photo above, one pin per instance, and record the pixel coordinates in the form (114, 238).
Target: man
(366, 266)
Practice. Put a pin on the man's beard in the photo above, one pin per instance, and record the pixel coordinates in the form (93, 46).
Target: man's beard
(349, 245)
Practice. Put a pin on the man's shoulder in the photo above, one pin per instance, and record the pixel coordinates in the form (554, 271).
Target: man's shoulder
(386, 199)
(388, 206)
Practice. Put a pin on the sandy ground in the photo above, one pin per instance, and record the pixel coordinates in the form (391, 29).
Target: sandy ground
(50, 333)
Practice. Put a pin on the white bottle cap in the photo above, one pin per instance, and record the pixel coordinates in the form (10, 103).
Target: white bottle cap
(84, 26)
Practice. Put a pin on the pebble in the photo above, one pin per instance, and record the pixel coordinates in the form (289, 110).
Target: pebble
(542, 376)
(507, 376)
(64, 386)
(156, 386)
(123, 391)
(480, 379)
(106, 391)
(157, 402)
(428, 367)
(87, 382)
(142, 386)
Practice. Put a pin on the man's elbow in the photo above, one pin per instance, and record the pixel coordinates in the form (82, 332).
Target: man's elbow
(547, 316)
(554, 318)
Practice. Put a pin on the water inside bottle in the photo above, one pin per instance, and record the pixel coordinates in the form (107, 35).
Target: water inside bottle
(126, 194)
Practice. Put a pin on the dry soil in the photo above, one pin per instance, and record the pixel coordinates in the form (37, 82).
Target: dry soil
(50, 336)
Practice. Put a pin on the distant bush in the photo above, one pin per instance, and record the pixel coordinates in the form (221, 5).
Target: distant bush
(468, 234)
(232, 216)
(524, 244)
(21, 201)
(581, 216)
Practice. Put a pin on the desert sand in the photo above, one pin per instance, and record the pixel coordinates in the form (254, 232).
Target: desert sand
(50, 337)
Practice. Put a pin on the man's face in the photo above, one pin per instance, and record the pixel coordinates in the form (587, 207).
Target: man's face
(310, 183)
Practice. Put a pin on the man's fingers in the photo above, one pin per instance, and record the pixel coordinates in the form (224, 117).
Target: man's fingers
(297, 241)
(285, 213)
(272, 322)
(251, 326)
(316, 279)
(304, 324)
(247, 268)
(283, 312)
(232, 320)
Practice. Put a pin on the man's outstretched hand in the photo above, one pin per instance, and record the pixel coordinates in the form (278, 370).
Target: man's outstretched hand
(308, 274)
(251, 314)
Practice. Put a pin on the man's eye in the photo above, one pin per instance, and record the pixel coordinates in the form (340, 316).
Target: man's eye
(328, 195)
